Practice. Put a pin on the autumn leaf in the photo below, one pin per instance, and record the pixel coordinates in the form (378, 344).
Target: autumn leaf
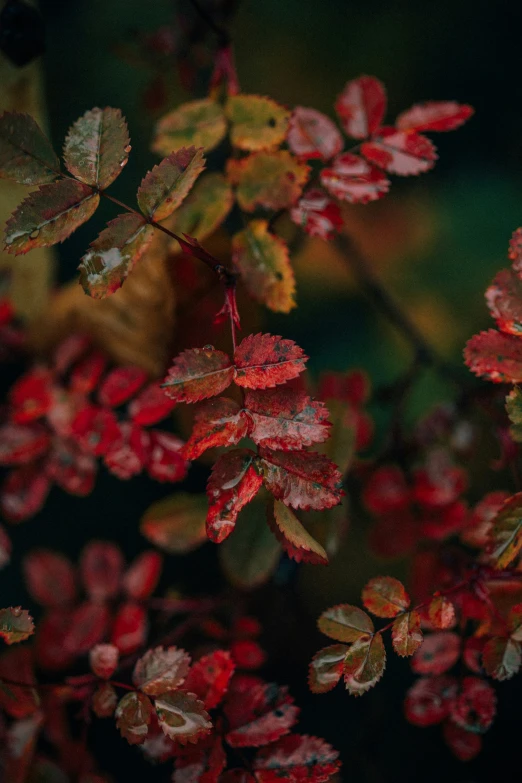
(176, 523)
(364, 663)
(263, 361)
(438, 653)
(150, 405)
(161, 669)
(326, 668)
(302, 479)
(272, 180)
(504, 299)
(262, 259)
(97, 147)
(514, 411)
(202, 764)
(385, 596)
(361, 106)
(133, 715)
(429, 700)
(22, 443)
(219, 422)
(113, 254)
(182, 716)
(465, 745)
(475, 706)
(441, 612)
(406, 634)
(130, 627)
(434, 116)
(50, 578)
(251, 554)
(49, 215)
(23, 493)
(233, 483)
(198, 373)
(506, 533)
(345, 623)
(317, 214)
(258, 713)
(502, 657)
(164, 188)
(257, 123)
(311, 134)
(293, 536)
(201, 123)
(101, 568)
(352, 179)
(400, 152)
(204, 209)
(166, 463)
(495, 356)
(120, 384)
(26, 156)
(209, 677)
(295, 758)
(142, 576)
(16, 624)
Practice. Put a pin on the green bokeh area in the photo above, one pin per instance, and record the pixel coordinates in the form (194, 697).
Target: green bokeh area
(303, 52)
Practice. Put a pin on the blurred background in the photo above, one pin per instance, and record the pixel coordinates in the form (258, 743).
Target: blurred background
(436, 241)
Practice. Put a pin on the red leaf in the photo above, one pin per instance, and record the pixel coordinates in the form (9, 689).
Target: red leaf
(434, 116)
(87, 373)
(142, 576)
(160, 670)
(30, 396)
(326, 668)
(120, 385)
(51, 653)
(312, 134)
(19, 701)
(438, 653)
(219, 422)
(352, 179)
(504, 299)
(296, 758)
(209, 677)
(406, 634)
(101, 566)
(129, 631)
(133, 715)
(302, 479)
(263, 361)
(87, 626)
(247, 654)
(104, 701)
(294, 538)
(103, 660)
(495, 356)
(441, 613)
(440, 483)
(317, 214)
(166, 462)
(257, 713)
(400, 152)
(16, 624)
(70, 468)
(95, 429)
(386, 491)
(182, 717)
(233, 483)
(198, 373)
(475, 706)
(385, 596)
(286, 419)
(515, 250)
(204, 764)
(21, 443)
(69, 351)
(23, 493)
(465, 745)
(50, 578)
(127, 455)
(150, 406)
(361, 106)
(429, 700)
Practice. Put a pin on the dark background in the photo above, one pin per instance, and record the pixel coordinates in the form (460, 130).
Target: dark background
(437, 242)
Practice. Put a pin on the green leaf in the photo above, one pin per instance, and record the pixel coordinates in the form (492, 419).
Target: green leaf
(49, 215)
(204, 209)
(263, 261)
(163, 189)
(176, 524)
(251, 553)
(506, 532)
(16, 624)
(514, 411)
(345, 623)
(257, 123)
(97, 147)
(26, 156)
(113, 254)
(201, 123)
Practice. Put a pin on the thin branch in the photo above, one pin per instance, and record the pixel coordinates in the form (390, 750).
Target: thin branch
(222, 34)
